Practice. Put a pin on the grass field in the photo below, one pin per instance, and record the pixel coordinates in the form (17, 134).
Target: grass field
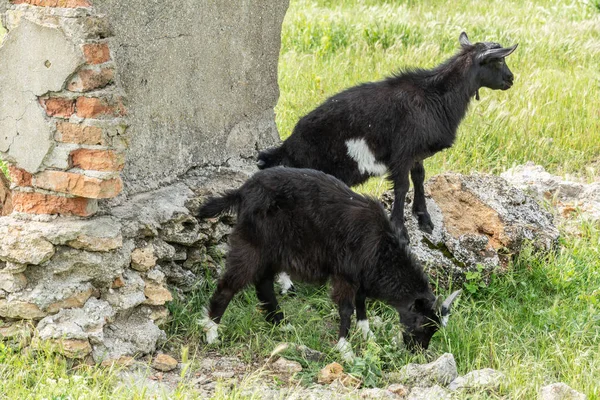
(540, 322)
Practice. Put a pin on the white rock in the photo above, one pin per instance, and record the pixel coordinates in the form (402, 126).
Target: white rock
(560, 391)
(486, 378)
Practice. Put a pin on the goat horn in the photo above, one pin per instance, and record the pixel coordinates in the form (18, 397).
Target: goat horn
(497, 53)
(447, 304)
(463, 39)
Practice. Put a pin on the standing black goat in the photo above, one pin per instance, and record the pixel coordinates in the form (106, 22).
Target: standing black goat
(393, 125)
(312, 226)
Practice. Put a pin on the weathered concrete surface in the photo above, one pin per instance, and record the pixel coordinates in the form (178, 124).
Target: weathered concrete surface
(50, 58)
(201, 79)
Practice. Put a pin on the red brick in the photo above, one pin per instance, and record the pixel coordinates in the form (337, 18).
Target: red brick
(78, 185)
(78, 134)
(98, 160)
(96, 53)
(55, 3)
(89, 79)
(38, 203)
(59, 107)
(93, 107)
(19, 176)
(5, 196)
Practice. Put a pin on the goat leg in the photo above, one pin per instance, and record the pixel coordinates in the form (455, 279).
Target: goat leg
(419, 208)
(266, 295)
(401, 185)
(361, 315)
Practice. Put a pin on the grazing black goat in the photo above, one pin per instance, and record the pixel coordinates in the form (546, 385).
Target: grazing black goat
(393, 125)
(312, 226)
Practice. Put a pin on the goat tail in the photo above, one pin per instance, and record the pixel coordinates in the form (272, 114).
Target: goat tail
(215, 206)
(270, 157)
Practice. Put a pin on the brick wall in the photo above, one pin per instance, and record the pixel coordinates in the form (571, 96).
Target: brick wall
(86, 119)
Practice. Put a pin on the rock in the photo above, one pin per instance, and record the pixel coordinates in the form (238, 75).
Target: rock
(164, 362)
(18, 245)
(566, 194)
(158, 314)
(5, 196)
(156, 294)
(330, 373)
(398, 390)
(16, 331)
(560, 391)
(13, 268)
(143, 259)
(285, 366)
(479, 222)
(429, 393)
(156, 275)
(11, 282)
(75, 301)
(101, 268)
(183, 279)
(20, 310)
(73, 348)
(310, 354)
(132, 332)
(442, 372)
(162, 250)
(85, 323)
(182, 229)
(130, 293)
(481, 379)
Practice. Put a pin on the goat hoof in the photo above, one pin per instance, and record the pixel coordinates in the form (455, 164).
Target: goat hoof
(425, 223)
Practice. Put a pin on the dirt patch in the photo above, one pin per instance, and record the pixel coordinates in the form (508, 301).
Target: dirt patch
(464, 213)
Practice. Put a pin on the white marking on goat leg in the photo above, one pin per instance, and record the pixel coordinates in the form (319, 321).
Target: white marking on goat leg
(345, 349)
(363, 324)
(359, 151)
(210, 327)
(286, 283)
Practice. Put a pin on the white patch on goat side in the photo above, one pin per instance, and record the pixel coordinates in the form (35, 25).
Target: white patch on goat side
(284, 280)
(359, 151)
(444, 320)
(210, 327)
(363, 324)
(345, 349)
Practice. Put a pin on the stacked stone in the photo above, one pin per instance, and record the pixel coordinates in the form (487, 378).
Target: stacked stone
(71, 154)
(63, 138)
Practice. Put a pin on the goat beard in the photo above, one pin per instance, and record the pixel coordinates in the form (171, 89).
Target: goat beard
(477, 95)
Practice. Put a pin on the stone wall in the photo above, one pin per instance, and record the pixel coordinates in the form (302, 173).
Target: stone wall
(168, 95)
(62, 116)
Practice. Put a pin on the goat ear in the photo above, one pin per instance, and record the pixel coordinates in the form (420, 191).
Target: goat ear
(463, 39)
(496, 53)
(420, 305)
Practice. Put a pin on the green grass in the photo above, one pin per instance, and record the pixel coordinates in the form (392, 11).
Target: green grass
(540, 322)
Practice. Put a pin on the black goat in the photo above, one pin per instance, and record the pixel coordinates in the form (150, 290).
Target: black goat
(393, 125)
(312, 226)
